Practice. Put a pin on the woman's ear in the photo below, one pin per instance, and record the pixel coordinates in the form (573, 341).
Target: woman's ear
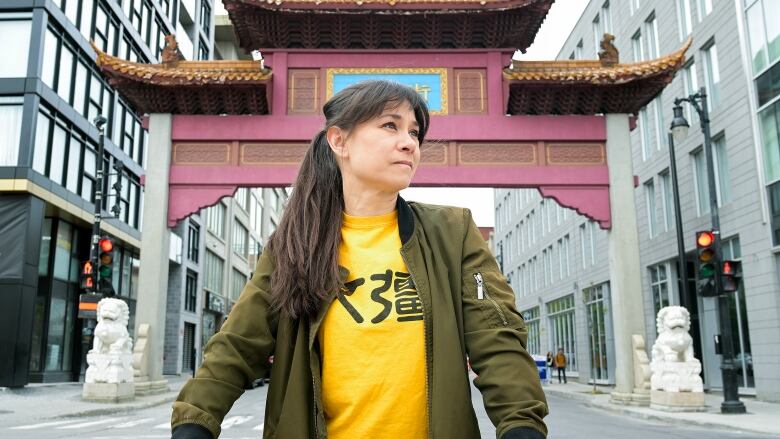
(337, 141)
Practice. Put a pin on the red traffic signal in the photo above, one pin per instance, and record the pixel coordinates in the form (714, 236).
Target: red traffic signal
(731, 275)
(106, 244)
(704, 239)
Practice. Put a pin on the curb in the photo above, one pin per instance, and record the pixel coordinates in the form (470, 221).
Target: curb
(109, 410)
(651, 416)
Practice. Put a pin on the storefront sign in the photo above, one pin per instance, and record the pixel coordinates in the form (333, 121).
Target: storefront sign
(215, 303)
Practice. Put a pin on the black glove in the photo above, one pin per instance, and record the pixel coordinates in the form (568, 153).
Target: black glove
(191, 431)
(523, 433)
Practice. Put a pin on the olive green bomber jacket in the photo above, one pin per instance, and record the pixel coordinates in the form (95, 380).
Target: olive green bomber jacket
(468, 310)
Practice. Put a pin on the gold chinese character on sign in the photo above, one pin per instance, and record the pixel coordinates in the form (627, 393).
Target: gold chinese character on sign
(423, 90)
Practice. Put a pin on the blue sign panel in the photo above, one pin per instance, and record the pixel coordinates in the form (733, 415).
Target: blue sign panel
(430, 83)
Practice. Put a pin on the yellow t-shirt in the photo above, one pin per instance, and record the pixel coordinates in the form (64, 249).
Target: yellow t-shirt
(372, 339)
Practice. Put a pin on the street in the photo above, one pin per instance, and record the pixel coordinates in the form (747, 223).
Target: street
(568, 419)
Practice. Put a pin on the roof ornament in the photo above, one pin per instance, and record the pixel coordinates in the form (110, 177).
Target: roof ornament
(258, 56)
(608, 55)
(170, 54)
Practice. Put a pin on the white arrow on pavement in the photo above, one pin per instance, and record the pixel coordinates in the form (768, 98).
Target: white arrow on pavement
(91, 423)
(235, 420)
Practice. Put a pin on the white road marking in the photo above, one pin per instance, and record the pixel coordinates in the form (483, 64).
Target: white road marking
(164, 425)
(259, 427)
(42, 425)
(147, 436)
(91, 423)
(234, 420)
(133, 423)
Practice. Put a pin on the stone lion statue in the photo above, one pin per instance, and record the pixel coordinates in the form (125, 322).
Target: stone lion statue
(111, 334)
(673, 366)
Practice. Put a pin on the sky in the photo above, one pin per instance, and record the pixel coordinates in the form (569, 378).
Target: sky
(556, 28)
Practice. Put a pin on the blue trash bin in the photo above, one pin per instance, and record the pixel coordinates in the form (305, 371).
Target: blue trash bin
(541, 366)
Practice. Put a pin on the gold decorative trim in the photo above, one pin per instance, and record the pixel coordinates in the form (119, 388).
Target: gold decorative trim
(441, 71)
(527, 147)
(586, 147)
(244, 161)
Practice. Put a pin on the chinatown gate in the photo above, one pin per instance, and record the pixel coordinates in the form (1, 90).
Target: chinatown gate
(559, 126)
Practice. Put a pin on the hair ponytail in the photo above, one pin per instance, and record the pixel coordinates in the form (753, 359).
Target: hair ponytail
(306, 243)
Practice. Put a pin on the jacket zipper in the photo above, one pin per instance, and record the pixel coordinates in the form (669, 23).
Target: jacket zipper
(482, 293)
(427, 357)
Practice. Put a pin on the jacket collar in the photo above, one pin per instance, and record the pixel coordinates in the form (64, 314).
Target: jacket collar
(405, 220)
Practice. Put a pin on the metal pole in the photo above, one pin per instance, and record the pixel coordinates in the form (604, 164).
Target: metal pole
(731, 402)
(100, 123)
(686, 298)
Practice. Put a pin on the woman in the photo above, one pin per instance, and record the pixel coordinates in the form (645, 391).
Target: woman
(369, 304)
(550, 365)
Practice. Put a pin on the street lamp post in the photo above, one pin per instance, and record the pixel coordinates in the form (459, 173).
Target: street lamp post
(686, 297)
(731, 402)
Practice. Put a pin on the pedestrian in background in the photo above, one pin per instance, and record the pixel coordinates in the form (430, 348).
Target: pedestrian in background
(370, 305)
(550, 365)
(560, 364)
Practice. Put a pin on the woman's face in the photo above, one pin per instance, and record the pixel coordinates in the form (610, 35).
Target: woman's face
(382, 153)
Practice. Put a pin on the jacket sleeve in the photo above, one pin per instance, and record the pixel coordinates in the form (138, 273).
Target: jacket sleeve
(233, 358)
(496, 338)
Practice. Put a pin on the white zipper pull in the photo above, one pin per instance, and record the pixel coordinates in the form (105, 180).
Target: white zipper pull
(480, 286)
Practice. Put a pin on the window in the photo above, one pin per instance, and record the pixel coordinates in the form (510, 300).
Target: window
(203, 50)
(720, 156)
(583, 245)
(700, 182)
(774, 203)
(660, 133)
(256, 211)
(241, 198)
(712, 75)
(667, 199)
(597, 331)
(634, 6)
(561, 267)
(651, 30)
(691, 86)
(212, 272)
(578, 50)
(544, 267)
(10, 128)
(240, 239)
(650, 203)
(764, 33)
(598, 33)
(636, 47)
(531, 318)
(704, 7)
(644, 133)
(238, 281)
(592, 230)
(193, 242)
(768, 85)
(191, 291)
(566, 255)
(659, 285)
(562, 328)
(215, 219)
(543, 213)
(606, 17)
(15, 27)
(205, 17)
(684, 18)
(769, 120)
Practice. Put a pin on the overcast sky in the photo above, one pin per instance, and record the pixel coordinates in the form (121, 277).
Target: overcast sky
(556, 28)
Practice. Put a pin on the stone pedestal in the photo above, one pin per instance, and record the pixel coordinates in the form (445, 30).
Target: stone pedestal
(108, 392)
(145, 387)
(109, 368)
(677, 401)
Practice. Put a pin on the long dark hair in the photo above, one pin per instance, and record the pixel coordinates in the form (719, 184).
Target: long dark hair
(306, 243)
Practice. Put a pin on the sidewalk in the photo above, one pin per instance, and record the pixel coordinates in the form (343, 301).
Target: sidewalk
(761, 417)
(58, 400)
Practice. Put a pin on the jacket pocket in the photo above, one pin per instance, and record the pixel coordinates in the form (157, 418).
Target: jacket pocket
(484, 295)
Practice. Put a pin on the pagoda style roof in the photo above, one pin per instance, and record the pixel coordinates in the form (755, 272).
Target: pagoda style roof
(189, 87)
(589, 86)
(386, 24)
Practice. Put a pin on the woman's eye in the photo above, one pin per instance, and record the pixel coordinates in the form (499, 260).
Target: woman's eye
(389, 124)
(414, 133)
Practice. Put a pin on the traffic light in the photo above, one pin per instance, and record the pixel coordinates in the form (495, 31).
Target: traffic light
(87, 276)
(731, 276)
(705, 261)
(105, 264)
